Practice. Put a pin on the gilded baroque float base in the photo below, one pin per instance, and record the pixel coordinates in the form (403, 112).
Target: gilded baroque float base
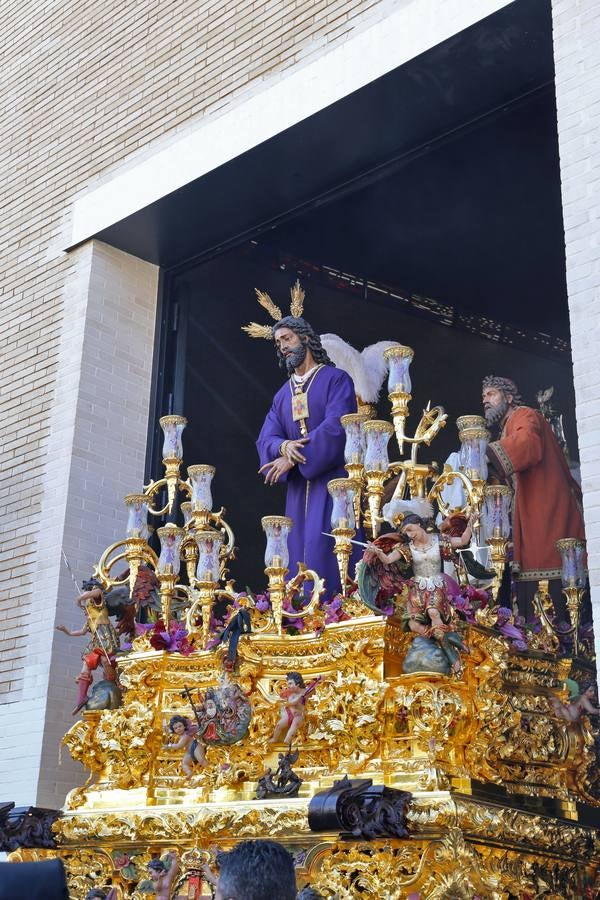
(459, 847)
(505, 792)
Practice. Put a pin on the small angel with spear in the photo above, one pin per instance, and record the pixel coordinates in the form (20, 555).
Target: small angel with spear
(104, 640)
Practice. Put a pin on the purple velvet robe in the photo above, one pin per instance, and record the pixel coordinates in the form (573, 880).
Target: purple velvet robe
(308, 503)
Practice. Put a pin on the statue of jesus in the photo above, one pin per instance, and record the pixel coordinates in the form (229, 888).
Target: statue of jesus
(302, 441)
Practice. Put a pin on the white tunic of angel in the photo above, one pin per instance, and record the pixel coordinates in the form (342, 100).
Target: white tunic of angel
(427, 566)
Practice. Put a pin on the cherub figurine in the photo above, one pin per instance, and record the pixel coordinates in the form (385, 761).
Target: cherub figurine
(293, 707)
(103, 643)
(188, 741)
(163, 873)
(580, 702)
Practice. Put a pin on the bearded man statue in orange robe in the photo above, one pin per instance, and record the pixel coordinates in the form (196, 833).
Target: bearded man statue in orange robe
(528, 457)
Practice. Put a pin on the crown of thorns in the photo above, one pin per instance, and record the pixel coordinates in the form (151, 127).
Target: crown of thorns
(255, 330)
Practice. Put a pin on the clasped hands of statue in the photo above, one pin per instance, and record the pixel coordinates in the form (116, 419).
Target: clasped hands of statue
(290, 453)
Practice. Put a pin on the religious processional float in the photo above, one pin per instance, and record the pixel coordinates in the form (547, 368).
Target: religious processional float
(294, 715)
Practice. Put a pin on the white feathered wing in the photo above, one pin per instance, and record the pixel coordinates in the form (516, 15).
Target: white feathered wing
(367, 369)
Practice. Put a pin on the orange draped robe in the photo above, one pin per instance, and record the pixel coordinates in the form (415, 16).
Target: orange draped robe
(547, 501)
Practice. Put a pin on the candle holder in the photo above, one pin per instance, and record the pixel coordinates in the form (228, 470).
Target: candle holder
(186, 512)
(399, 359)
(137, 519)
(189, 547)
(474, 437)
(208, 571)
(354, 454)
(137, 534)
(574, 580)
(472, 456)
(343, 522)
(172, 452)
(277, 529)
(200, 480)
(496, 528)
(168, 565)
(377, 435)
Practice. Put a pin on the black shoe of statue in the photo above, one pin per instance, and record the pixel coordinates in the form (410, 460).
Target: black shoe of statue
(475, 569)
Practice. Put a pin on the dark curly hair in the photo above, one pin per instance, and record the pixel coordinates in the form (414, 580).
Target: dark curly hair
(296, 677)
(413, 519)
(157, 864)
(178, 719)
(302, 328)
(91, 583)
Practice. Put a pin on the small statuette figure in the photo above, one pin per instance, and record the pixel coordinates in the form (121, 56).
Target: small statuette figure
(103, 643)
(238, 625)
(188, 741)
(293, 707)
(163, 873)
(581, 702)
(547, 504)
(284, 783)
(429, 613)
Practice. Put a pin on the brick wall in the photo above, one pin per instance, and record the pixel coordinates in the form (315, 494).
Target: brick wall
(576, 40)
(83, 86)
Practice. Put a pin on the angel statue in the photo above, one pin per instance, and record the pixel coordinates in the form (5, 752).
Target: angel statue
(293, 707)
(187, 740)
(411, 561)
(103, 644)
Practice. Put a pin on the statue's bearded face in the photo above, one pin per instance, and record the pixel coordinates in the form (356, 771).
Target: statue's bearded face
(290, 348)
(495, 405)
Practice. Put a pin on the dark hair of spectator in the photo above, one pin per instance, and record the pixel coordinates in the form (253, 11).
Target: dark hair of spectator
(257, 870)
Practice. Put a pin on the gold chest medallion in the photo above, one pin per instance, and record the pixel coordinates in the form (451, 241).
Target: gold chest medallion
(299, 407)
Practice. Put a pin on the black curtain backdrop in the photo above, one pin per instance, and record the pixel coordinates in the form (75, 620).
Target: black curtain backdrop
(229, 379)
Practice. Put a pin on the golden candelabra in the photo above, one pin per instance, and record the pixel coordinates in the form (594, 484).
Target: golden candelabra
(574, 579)
(367, 462)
